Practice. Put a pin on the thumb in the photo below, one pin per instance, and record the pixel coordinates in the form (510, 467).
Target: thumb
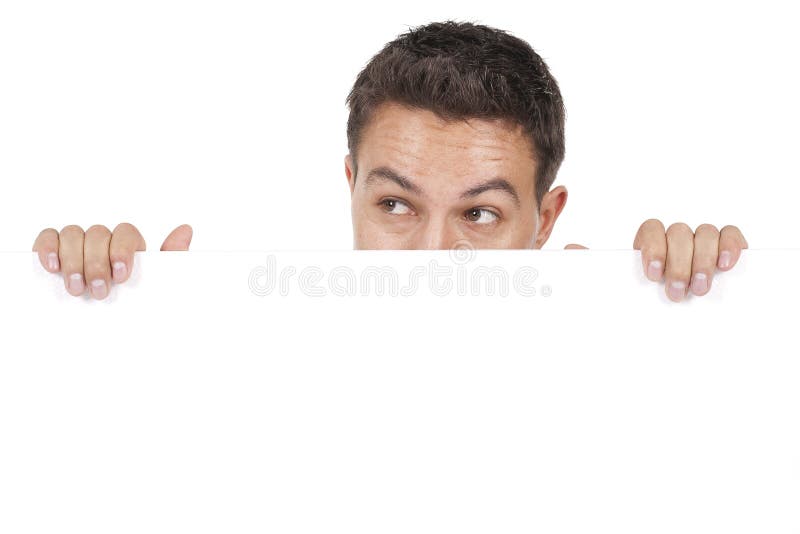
(573, 246)
(178, 239)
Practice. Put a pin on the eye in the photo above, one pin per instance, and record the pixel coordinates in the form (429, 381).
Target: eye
(481, 216)
(395, 207)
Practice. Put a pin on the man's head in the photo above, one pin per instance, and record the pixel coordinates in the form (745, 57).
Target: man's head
(456, 133)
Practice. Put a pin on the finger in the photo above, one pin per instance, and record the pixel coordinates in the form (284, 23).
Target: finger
(125, 240)
(680, 248)
(731, 243)
(46, 245)
(704, 258)
(178, 239)
(651, 240)
(95, 260)
(573, 246)
(70, 255)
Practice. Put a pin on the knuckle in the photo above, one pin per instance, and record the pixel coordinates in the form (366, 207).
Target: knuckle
(72, 229)
(704, 262)
(95, 267)
(46, 240)
(706, 227)
(679, 228)
(731, 236)
(653, 222)
(48, 231)
(98, 229)
(678, 272)
(125, 227)
(730, 228)
(116, 254)
(647, 231)
(652, 250)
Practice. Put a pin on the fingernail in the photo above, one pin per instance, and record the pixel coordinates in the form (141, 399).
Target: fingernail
(75, 283)
(654, 270)
(699, 283)
(52, 261)
(120, 271)
(677, 290)
(724, 259)
(99, 290)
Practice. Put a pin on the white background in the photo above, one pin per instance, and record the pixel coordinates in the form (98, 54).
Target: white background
(230, 115)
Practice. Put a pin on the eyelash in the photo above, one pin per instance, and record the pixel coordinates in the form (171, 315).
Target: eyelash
(494, 214)
(385, 205)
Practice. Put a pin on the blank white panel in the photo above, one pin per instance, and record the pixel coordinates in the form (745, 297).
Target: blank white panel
(189, 402)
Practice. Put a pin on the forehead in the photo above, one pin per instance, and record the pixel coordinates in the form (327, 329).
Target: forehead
(424, 144)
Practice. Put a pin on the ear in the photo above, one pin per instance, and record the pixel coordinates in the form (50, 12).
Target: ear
(348, 170)
(552, 204)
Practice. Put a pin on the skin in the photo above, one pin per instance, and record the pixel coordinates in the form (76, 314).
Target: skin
(426, 183)
(417, 178)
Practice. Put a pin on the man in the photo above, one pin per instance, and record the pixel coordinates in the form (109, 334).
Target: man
(455, 136)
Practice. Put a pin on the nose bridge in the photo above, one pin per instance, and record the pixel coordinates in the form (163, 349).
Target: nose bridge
(435, 234)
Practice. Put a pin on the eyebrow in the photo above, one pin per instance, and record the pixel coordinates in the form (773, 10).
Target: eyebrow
(386, 174)
(496, 184)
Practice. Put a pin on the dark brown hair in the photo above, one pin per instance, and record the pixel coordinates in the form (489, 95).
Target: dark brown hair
(461, 70)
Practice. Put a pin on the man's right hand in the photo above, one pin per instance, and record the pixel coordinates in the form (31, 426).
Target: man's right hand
(96, 257)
